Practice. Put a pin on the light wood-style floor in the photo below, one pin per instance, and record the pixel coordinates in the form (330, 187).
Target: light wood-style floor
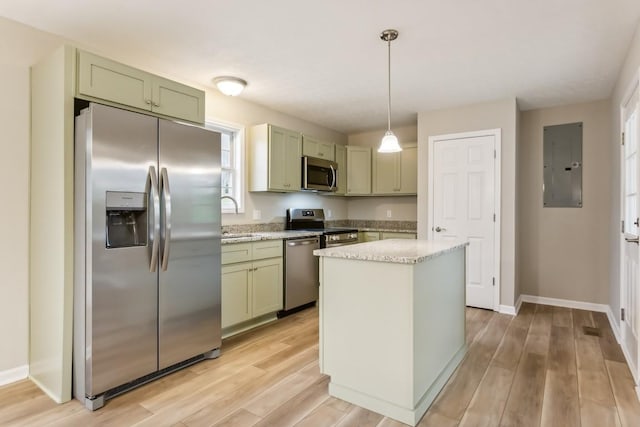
(538, 368)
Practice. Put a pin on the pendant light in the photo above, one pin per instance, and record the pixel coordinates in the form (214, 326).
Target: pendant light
(389, 143)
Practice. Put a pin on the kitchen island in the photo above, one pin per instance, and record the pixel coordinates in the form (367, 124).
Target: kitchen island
(392, 322)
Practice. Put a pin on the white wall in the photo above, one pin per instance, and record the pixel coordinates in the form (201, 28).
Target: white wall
(628, 72)
(563, 251)
(403, 208)
(21, 47)
(499, 114)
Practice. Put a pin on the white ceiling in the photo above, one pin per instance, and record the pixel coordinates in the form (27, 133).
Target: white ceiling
(323, 61)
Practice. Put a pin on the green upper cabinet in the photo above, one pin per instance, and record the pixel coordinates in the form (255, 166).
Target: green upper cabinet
(396, 173)
(274, 159)
(105, 80)
(341, 160)
(358, 170)
(313, 147)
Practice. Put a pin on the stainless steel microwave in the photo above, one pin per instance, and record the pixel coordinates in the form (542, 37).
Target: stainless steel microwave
(319, 174)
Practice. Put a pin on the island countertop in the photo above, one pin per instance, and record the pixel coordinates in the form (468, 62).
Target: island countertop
(399, 251)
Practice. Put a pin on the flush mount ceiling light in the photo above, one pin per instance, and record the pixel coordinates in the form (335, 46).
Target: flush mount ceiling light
(231, 86)
(389, 143)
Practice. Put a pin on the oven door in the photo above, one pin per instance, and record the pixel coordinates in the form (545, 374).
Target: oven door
(333, 240)
(319, 174)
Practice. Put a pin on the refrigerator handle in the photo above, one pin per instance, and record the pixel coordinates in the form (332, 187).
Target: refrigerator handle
(166, 199)
(152, 190)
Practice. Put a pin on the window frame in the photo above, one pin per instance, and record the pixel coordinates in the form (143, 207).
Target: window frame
(238, 160)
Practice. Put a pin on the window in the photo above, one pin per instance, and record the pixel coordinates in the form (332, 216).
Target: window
(231, 161)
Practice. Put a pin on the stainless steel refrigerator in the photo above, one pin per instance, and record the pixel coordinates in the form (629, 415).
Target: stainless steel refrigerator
(147, 270)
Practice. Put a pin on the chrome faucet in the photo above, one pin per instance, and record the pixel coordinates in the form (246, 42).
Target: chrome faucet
(232, 199)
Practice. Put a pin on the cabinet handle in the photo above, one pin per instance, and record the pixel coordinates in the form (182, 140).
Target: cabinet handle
(147, 101)
(321, 154)
(155, 104)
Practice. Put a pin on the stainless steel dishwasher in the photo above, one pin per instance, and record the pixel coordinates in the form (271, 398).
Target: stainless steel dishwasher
(301, 279)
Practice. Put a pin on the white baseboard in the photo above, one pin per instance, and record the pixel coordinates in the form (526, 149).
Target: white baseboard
(14, 374)
(615, 326)
(507, 309)
(581, 305)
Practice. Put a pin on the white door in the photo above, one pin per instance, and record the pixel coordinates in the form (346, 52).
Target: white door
(629, 294)
(463, 207)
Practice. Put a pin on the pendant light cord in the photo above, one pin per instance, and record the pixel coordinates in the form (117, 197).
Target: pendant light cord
(389, 84)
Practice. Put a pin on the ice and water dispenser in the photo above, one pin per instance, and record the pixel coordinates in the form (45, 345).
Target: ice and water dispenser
(126, 219)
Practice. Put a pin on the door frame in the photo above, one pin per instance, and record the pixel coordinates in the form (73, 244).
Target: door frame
(634, 365)
(497, 134)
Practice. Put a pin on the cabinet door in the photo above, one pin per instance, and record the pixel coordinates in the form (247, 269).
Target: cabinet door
(409, 170)
(236, 282)
(325, 151)
(285, 151)
(368, 236)
(341, 160)
(177, 100)
(310, 146)
(358, 170)
(396, 235)
(267, 286)
(315, 148)
(386, 173)
(293, 162)
(109, 80)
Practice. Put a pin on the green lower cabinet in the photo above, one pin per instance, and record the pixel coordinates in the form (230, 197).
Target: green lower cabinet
(368, 236)
(236, 283)
(372, 236)
(251, 281)
(266, 295)
(396, 235)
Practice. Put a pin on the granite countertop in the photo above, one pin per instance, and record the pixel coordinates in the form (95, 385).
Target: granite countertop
(390, 230)
(265, 235)
(399, 251)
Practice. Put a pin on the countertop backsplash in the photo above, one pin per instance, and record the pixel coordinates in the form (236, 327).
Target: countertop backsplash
(365, 225)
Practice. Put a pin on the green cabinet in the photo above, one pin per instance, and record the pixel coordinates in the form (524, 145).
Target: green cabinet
(251, 281)
(274, 159)
(396, 235)
(396, 173)
(368, 236)
(341, 160)
(372, 236)
(358, 170)
(316, 148)
(266, 286)
(106, 80)
(235, 291)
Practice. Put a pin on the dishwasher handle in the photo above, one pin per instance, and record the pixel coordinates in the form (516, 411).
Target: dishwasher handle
(301, 242)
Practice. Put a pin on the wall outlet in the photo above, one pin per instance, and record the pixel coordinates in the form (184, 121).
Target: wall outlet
(257, 214)
(329, 213)
(388, 213)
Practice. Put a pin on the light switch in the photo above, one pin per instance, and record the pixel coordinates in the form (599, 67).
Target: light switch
(388, 213)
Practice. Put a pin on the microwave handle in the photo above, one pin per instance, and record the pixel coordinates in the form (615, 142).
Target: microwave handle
(333, 177)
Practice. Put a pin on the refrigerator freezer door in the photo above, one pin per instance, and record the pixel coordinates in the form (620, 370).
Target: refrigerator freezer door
(189, 288)
(121, 292)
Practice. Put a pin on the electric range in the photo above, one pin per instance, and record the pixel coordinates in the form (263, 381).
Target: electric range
(314, 219)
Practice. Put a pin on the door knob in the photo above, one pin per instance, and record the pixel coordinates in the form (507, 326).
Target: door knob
(438, 229)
